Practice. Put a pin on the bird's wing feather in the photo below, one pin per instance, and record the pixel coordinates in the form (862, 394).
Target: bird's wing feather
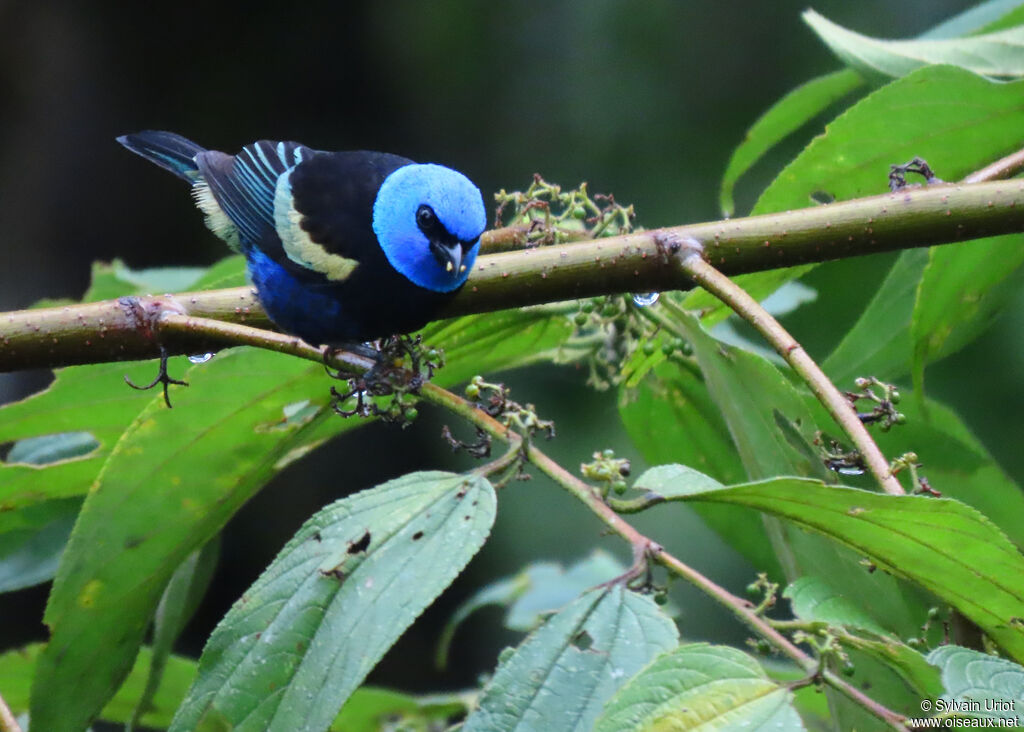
(236, 192)
(323, 211)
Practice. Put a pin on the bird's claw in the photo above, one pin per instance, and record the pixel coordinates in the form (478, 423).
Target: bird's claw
(162, 377)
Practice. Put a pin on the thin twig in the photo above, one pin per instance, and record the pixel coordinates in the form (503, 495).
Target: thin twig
(590, 497)
(786, 346)
(8, 723)
(999, 170)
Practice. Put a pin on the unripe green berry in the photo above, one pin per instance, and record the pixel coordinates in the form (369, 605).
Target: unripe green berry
(587, 307)
(933, 612)
(667, 348)
(579, 212)
(608, 453)
(649, 348)
(849, 669)
(894, 397)
(619, 486)
(660, 598)
(581, 319)
(900, 418)
(411, 414)
(753, 589)
(472, 391)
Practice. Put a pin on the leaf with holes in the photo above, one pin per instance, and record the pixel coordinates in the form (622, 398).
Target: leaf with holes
(303, 637)
(560, 677)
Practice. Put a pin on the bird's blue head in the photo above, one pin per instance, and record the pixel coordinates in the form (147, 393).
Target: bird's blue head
(428, 220)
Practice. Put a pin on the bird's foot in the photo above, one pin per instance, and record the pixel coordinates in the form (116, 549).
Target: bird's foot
(162, 378)
(401, 367)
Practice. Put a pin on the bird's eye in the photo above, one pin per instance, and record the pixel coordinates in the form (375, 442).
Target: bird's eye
(426, 219)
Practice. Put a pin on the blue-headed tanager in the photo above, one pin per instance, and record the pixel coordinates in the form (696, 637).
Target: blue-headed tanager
(342, 247)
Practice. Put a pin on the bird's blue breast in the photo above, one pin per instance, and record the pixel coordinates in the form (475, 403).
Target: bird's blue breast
(295, 306)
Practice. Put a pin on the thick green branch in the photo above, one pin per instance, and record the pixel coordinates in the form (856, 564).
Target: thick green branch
(122, 329)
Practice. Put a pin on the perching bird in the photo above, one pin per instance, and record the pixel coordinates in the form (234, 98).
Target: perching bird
(343, 247)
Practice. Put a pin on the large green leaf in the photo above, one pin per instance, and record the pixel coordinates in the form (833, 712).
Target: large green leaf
(957, 464)
(671, 418)
(83, 400)
(978, 684)
(999, 54)
(369, 709)
(812, 98)
(954, 119)
(962, 288)
(943, 545)
(17, 666)
(701, 687)
(560, 677)
(354, 577)
(174, 479)
(879, 343)
(786, 116)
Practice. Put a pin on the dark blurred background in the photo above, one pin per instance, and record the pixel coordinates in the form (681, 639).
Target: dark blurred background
(643, 99)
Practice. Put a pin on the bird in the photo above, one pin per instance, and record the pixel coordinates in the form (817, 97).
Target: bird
(342, 247)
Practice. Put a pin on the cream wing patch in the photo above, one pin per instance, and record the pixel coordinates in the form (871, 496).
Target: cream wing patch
(216, 220)
(297, 243)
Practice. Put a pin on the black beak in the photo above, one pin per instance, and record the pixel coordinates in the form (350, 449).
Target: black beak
(449, 256)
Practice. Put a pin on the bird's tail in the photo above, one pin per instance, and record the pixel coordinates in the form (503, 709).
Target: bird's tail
(168, 150)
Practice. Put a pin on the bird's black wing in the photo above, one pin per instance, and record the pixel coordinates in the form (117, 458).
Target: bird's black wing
(237, 192)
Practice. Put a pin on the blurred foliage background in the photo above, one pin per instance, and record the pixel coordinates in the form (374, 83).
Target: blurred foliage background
(642, 99)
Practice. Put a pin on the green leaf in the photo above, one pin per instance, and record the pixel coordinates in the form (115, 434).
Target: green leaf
(174, 479)
(671, 418)
(983, 17)
(943, 545)
(957, 464)
(785, 117)
(701, 687)
(29, 556)
(981, 685)
(228, 272)
(539, 589)
(369, 709)
(879, 344)
(180, 599)
(667, 481)
(954, 119)
(372, 710)
(479, 344)
(921, 679)
(962, 288)
(999, 54)
(17, 666)
(560, 677)
(82, 399)
(813, 598)
(303, 637)
(749, 391)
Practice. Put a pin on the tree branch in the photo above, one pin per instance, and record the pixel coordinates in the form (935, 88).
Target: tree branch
(786, 346)
(123, 329)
